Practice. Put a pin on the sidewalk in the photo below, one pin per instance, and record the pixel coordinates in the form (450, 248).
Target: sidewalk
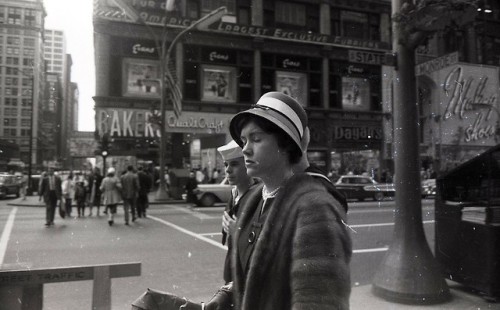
(33, 201)
(361, 297)
(461, 299)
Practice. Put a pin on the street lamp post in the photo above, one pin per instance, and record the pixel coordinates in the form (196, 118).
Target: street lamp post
(166, 76)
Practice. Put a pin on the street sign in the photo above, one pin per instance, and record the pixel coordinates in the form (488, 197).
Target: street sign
(436, 64)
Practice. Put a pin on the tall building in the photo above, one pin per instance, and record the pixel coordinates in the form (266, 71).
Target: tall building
(60, 63)
(22, 70)
(55, 51)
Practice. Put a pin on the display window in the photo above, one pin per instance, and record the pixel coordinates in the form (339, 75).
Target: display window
(293, 84)
(355, 94)
(141, 78)
(218, 83)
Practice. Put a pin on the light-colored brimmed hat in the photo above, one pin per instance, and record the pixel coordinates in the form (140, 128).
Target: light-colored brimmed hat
(281, 110)
(111, 170)
(230, 151)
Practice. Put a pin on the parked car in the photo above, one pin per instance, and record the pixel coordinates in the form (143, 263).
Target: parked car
(428, 188)
(9, 185)
(361, 187)
(209, 194)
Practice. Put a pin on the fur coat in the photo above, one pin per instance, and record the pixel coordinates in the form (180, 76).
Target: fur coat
(301, 259)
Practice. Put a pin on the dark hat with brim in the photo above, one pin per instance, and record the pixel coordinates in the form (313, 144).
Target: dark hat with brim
(281, 110)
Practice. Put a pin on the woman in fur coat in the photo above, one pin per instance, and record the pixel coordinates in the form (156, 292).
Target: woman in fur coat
(292, 246)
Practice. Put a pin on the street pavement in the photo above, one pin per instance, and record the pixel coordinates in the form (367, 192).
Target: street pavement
(361, 296)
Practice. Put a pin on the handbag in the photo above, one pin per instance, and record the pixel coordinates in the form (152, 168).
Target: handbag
(62, 211)
(158, 300)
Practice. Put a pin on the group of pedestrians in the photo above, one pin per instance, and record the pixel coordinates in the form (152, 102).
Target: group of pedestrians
(93, 190)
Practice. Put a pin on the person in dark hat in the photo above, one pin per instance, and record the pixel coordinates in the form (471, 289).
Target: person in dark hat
(236, 175)
(292, 248)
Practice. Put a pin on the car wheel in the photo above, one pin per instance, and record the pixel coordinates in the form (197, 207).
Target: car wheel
(208, 200)
(379, 196)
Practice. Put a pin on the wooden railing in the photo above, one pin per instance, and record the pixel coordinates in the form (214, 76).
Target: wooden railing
(23, 289)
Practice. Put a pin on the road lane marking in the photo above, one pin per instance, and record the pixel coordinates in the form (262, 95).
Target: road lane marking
(212, 234)
(195, 213)
(382, 210)
(370, 250)
(383, 224)
(6, 234)
(188, 232)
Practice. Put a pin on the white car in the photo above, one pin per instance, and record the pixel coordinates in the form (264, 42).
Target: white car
(209, 194)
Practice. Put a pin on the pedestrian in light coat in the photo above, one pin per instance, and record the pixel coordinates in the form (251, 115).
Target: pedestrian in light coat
(68, 192)
(111, 191)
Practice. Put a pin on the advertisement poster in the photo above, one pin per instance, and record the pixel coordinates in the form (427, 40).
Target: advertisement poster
(293, 84)
(141, 78)
(219, 84)
(355, 94)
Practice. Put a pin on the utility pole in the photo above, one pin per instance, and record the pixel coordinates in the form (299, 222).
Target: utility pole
(409, 273)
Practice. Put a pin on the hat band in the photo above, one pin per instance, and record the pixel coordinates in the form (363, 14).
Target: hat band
(285, 110)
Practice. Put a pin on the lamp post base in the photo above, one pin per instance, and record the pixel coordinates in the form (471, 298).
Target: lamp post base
(161, 194)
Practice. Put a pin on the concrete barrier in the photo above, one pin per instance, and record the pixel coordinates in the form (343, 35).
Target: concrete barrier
(23, 289)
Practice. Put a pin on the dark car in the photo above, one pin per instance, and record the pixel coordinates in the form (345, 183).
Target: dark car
(361, 187)
(9, 185)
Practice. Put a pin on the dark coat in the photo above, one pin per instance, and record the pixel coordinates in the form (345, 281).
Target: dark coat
(130, 185)
(301, 259)
(45, 188)
(234, 209)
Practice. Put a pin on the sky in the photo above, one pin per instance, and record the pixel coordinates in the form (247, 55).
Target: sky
(74, 17)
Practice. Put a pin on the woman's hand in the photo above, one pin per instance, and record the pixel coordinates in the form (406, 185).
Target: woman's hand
(228, 223)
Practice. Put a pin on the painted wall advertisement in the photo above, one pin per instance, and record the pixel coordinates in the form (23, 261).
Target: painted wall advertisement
(466, 97)
(355, 94)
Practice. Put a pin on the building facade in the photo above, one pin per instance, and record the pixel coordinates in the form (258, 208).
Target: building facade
(327, 54)
(22, 70)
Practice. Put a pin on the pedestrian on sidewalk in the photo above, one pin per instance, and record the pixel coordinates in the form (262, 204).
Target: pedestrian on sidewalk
(130, 191)
(292, 248)
(24, 185)
(111, 192)
(80, 197)
(145, 188)
(95, 180)
(68, 193)
(236, 175)
(51, 191)
(191, 188)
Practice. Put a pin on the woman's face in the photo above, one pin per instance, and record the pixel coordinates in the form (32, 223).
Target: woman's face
(263, 156)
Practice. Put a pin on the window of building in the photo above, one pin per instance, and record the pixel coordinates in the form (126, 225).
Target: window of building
(290, 13)
(25, 112)
(58, 45)
(26, 102)
(12, 60)
(26, 82)
(25, 132)
(28, 61)
(57, 68)
(28, 52)
(25, 122)
(13, 41)
(58, 50)
(58, 39)
(210, 5)
(192, 9)
(359, 25)
(29, 42)
(9, 132)
(10, 122)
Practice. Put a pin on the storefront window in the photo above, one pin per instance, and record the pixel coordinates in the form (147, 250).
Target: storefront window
(218, 84)
(140, 78)
(355, 94)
